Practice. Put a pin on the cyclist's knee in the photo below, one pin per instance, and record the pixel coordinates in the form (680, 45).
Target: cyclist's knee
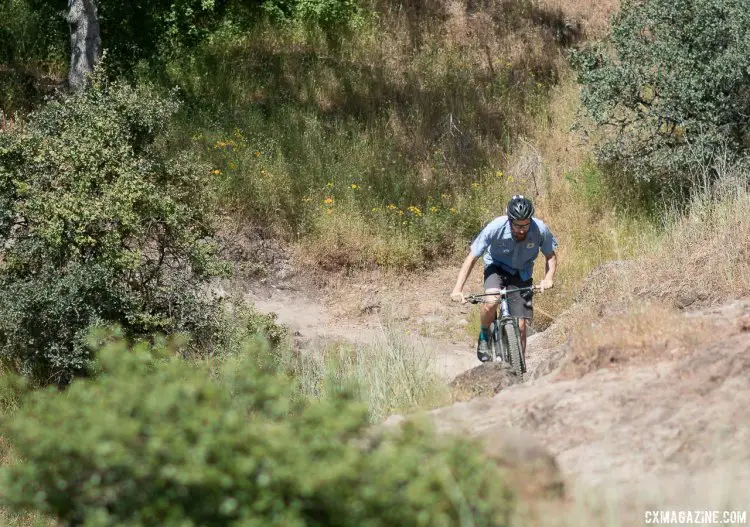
(487, 308)
(492, 301)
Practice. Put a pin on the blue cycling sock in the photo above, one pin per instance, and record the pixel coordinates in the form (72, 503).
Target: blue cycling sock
(484, 333)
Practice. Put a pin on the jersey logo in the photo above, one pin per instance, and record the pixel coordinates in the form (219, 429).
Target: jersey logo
(530, 245)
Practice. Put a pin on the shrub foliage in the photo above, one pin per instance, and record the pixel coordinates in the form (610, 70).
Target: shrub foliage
(96, 226)
(670, 86)
(168, 443)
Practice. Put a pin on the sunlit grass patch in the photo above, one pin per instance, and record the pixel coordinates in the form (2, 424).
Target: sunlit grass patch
(393, 374)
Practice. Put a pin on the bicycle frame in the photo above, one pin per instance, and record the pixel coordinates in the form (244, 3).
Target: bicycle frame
(498, 345)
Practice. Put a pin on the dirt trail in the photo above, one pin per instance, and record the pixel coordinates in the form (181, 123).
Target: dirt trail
(310, 319)
(669, 434)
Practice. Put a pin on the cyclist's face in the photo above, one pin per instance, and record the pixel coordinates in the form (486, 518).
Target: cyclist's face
(520, 228)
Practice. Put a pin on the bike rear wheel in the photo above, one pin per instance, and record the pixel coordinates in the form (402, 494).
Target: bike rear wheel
(512, 341)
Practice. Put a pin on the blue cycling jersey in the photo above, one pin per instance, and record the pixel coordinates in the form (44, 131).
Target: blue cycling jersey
(497, 245)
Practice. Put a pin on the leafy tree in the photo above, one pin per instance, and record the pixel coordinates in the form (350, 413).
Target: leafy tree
(670, 88)
(98, 227)
(154, 442)
(149, 30)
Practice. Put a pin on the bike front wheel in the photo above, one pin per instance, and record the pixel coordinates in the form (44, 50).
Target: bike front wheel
(511, 336)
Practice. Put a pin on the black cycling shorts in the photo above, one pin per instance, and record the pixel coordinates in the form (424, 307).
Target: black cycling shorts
(519, 304)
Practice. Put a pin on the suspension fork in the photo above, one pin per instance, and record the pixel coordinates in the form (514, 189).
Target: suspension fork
(503, 311)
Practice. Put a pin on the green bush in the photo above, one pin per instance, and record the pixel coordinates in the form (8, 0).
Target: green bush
(668, 89)
(98, 227)
(163, 442)
(330, 15)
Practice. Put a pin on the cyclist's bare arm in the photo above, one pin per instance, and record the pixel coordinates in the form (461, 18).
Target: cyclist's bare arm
(550, 269)
(463, 275)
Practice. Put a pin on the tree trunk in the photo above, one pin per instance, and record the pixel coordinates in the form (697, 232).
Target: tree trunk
(85, 41)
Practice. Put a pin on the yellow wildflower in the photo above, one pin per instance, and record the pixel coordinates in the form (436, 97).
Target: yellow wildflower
(328, 201)
(499, 173)
(375, 209)
(329, 184)
(355, 186)
(216, 172)
(433, 209)
(475, 185)
(453, 210)
(391, 206)
(257, 154)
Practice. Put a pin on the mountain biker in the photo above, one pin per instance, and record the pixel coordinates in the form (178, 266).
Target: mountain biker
(510, 245)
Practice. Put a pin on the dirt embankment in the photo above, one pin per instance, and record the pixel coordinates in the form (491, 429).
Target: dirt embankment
(669, 430)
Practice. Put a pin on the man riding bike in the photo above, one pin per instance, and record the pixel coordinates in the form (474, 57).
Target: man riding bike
(510, 245)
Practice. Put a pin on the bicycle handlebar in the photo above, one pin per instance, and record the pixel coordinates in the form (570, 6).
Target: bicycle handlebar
(478, 298)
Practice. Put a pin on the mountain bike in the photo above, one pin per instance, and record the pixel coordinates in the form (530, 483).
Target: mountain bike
(505, 335)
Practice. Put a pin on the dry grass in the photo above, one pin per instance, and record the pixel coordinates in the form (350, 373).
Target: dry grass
(424, 102)
(644, 333)
(593, 16)
(345, 240)
(705, 257)
(630, 307)
(391, 375)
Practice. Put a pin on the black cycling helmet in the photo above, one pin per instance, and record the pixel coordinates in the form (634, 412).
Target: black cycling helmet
(520, 208)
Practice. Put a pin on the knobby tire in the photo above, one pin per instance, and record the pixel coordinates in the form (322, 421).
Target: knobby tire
(512, 342)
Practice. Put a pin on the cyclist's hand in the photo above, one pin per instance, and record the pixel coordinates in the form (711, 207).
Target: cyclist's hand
(458, 296)
(545, 284)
